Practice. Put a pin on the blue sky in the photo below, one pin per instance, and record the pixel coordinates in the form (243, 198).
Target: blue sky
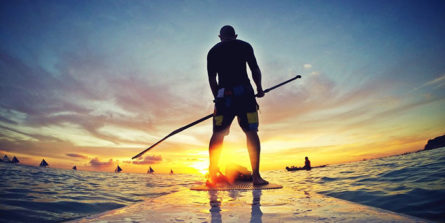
(77, 74)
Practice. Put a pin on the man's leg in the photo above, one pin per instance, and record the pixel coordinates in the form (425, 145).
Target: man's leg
(215, 147)
(254, 147)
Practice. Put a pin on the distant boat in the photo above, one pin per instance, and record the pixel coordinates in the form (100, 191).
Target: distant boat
(118, 169)
(171, 171)
(6, 159)
(43, 163)
(15, 160)
(292, 168)
(74, 168)
(150, 170)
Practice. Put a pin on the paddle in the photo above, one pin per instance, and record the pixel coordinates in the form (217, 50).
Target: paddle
(205, 118)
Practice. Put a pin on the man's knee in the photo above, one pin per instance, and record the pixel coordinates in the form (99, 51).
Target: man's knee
(221, 132)
(218, 135)
(252, 133)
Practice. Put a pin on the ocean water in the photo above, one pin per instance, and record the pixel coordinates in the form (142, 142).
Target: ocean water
(34, 194)
(412, 184)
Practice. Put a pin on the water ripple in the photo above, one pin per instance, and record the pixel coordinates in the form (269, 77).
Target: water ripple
(413, 184)
(52, 195)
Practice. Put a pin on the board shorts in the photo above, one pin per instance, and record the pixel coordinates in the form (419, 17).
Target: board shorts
(237, 101)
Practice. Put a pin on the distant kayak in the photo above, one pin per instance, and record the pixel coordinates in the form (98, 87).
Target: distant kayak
(302, 168)
(295, 168)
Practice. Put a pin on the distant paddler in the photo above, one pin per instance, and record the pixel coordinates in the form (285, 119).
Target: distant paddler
(43, 163)
(15, 160)
(171, 171)
(118, 169)
(6, 159)
(74, 167)
(307, 163)
(150, 170)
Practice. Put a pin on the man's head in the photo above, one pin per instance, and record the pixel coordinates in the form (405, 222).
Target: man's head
(227, 33)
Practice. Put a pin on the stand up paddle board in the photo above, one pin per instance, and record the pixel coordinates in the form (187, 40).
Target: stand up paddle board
(235, 186)
(284, 205)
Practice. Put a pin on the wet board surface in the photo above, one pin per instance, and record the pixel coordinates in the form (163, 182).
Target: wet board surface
(236, 186)
(284, 205)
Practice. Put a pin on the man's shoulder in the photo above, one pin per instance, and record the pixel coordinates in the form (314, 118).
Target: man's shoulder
(245, 46)
(214, 48)
(242, 42)
(238, 44)
(232, 42)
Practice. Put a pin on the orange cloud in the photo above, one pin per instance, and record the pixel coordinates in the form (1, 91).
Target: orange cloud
(149, 160)
(95, 162)
(75, 155)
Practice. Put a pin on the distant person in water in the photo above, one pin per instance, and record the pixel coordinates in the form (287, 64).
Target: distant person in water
(234, 96)
(307, 163)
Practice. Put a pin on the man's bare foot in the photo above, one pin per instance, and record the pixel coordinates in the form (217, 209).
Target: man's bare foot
(210, 183)
(259, 181)
(215, 178)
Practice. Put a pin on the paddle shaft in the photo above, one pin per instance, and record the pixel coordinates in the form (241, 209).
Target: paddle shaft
(205, 118)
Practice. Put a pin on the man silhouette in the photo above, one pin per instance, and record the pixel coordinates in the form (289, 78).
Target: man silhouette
(234, 96)
(307, 163)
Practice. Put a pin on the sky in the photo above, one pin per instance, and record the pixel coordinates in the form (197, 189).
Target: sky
(93, 83)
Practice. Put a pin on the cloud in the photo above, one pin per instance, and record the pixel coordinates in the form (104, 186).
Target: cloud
(88, 93)
(75, 155)
(436, 83)
(307, 66)
(95, 162)
(149, 160)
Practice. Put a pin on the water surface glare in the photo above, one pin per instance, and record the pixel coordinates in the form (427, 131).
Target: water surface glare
(412, 184)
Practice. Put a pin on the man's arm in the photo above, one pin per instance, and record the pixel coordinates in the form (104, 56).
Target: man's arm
(211, 72)
(256, 72)
(213, 83)
(256, 75)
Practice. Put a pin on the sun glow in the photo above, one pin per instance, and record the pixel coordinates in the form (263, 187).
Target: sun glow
(202, 166)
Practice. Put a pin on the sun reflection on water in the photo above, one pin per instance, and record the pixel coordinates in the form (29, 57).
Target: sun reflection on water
(202, 166)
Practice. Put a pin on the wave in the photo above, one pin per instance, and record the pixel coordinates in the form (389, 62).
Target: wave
(412, 184)
(32, 194)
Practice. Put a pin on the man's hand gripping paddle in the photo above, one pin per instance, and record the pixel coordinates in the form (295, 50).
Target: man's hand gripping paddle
(205, 118)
